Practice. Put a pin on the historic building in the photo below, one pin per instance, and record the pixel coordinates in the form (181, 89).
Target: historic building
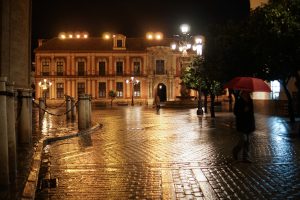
(76, 64)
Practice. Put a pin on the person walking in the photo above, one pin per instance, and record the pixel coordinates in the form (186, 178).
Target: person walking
(157, 103)
(245, 124)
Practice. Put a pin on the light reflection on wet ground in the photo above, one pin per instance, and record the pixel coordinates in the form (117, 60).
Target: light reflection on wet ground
(128, 157)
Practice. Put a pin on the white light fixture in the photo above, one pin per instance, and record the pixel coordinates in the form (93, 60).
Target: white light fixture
(185, 41)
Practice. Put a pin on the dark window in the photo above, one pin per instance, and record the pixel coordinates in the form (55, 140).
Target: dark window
(81, 71)
(137, 89)
(60, 68)
(59, 90)
(102, 89)
(119, 68)
(45, 68)
(119, 89)
(119, 43)
(102, 68)
(137, 68)
(160, 66)
(80, 88)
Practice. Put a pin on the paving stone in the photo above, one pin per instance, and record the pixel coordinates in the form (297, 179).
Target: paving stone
(129, 156)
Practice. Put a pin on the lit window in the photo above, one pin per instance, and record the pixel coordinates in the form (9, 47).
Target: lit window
(60, 68)
(80, 88)
(137, 90)
(60, 90)
(46, 67)
(119, 89)
(275, 87)
(137, 68)
(102, 89)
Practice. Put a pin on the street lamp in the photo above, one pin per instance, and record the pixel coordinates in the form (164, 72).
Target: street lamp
(185, 42)
(134, 82)
(44, 85)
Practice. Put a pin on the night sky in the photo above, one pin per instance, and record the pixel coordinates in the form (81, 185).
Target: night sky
(132, 18)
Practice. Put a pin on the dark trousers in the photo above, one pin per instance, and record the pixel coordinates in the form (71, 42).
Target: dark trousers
(242, 146)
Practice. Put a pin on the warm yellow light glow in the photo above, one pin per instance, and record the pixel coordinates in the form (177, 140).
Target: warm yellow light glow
(70, 35)
(62, 35)
(185, 28)
(149, 36)
(158, 36)
(106, 36)
(85, 35)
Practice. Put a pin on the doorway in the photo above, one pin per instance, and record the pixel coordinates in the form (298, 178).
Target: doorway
(162, 92)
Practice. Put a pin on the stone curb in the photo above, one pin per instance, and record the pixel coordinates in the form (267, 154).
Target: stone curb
(32, 180)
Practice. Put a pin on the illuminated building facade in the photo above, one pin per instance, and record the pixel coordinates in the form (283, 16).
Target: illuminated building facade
(95, 66)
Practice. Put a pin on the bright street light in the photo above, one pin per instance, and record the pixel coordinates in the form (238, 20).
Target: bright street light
(134, 82)
(185, 41)
(45, 85)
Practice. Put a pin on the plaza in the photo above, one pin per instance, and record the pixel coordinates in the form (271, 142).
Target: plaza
(138, 153)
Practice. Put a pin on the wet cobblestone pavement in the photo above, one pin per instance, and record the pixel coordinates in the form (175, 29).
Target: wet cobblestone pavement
(174, 154)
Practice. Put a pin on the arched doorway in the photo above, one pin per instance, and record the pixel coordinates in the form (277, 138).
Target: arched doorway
(162, 92)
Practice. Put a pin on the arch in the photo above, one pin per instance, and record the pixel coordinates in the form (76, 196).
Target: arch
(161, 91)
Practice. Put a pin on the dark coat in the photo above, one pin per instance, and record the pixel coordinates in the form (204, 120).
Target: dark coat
(244, 113)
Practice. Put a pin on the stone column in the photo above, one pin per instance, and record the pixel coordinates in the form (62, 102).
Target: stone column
(11, 131)
(83, 112)
(25, 118)
(4, 163)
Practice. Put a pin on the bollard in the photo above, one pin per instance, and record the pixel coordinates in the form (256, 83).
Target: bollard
(89, 113)
(83, 112)
(68, 107)
(73, 109)
(41, 109)
(25, 118)
(11, 131)
(4, 162)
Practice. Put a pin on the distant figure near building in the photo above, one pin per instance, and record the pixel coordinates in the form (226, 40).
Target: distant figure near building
(245, 124)
(157, 103)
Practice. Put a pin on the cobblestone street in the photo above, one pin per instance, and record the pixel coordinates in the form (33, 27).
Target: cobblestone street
(173, 154)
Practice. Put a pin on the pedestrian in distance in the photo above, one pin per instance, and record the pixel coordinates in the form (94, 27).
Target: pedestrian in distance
(157, 103)
(245, 124)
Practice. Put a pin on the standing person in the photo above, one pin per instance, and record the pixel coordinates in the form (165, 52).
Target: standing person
(157, 103)
(245, 124)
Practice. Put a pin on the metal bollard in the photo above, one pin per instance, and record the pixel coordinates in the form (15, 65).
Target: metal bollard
(68, 107)
(41, 109)
(73, 108)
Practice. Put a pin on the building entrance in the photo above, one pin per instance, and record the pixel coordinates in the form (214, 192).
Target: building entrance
(162, 92)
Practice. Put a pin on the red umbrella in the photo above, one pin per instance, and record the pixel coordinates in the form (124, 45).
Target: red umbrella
(248, 84)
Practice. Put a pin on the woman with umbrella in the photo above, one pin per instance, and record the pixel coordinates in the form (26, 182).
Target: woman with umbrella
(245, 124)
(243, 110)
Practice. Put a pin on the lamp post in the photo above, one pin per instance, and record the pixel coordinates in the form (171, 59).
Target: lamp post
(44, 85)
(133, 81)
(185, 42)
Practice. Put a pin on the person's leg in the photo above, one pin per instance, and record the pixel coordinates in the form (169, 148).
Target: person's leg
(238, 147)
(246, 148)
